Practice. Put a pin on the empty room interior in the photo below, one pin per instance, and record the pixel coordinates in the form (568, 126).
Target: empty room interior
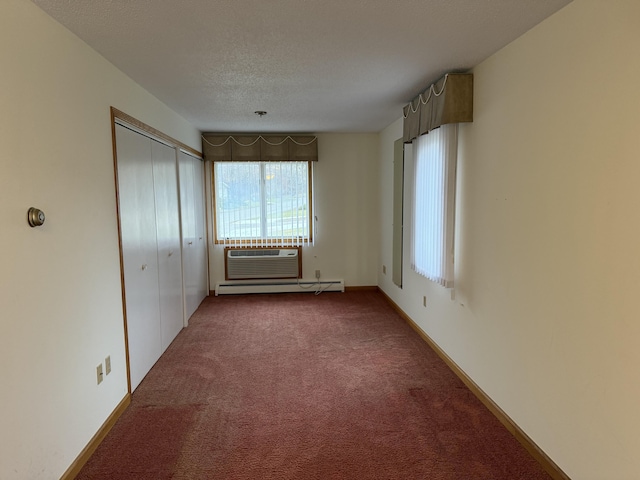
(534, 310)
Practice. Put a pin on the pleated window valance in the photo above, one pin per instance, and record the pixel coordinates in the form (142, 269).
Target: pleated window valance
(449, 100)
(259, 148)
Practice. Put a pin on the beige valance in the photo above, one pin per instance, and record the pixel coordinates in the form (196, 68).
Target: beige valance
(259, 148)
(449, 100)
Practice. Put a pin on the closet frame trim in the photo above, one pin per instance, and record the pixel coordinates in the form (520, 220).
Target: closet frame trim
(129, 121)
(118, 117)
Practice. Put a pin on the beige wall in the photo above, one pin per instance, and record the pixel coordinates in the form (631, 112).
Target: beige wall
(548, 226)
(346, 200)
(60, 301)
(543, 317)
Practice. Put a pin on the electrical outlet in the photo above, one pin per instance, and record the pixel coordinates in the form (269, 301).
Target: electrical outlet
(384, 269)
(317, 273)
(99, 374)
(107, 365)
(424, 301)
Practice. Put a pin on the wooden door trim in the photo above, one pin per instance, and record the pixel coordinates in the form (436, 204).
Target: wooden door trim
(118, 114)
(117, 117)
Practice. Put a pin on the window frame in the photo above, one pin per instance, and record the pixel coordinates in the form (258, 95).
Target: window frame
(432, 253)
(264, 241)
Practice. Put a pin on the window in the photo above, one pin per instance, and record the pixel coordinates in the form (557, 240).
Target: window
(435, 157)
(263, 203)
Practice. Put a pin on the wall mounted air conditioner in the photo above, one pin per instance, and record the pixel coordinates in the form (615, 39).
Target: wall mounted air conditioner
(262, 263)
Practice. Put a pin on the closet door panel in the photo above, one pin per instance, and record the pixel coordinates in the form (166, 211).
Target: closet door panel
(193, 231)
(201, 266)
(188, 231)
(139, 251)
(165, 179)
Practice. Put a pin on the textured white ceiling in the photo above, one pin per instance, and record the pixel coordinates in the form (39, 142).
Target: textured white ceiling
(314, 66)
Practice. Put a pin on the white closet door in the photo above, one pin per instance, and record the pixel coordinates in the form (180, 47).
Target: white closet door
(188, 230)
(193, 236)
(139, 250)
(165, 179)
(201, 262)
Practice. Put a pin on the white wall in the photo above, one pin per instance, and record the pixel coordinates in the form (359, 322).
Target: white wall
(60, 300)
(346, 205)
(547, 267)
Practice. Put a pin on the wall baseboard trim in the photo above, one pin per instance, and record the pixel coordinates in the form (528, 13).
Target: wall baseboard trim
(536, 452)
(86, 453)
(361, 288)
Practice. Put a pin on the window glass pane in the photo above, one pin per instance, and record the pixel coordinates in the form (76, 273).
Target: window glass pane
(237, 187)
(287, 198)
(262, 202)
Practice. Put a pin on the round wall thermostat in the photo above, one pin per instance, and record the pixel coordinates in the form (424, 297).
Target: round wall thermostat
(35, 217)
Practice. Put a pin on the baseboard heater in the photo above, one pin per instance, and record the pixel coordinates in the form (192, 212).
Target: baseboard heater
(230, 288)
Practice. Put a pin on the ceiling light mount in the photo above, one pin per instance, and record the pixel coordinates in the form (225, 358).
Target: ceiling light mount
(260, 113)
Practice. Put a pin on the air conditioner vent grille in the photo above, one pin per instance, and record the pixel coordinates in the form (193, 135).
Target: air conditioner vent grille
(261, 263)
(254, 253)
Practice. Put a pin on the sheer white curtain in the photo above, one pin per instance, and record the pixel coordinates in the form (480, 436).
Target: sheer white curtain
(435, 157)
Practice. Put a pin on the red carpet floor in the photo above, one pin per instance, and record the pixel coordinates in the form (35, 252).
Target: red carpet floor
(297, 386)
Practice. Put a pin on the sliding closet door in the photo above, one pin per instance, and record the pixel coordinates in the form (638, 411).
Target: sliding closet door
(188, 231)
(165, 179)
(193, 231)
(201, 261)
(139, 251)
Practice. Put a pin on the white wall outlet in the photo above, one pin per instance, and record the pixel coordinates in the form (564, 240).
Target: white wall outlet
(424, 301)
(317, 273)
(99, 374)
(384, 269)
(107, 365)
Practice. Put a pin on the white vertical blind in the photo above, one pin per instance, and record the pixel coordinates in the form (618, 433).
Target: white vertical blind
(262, 203)
(435, 157)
